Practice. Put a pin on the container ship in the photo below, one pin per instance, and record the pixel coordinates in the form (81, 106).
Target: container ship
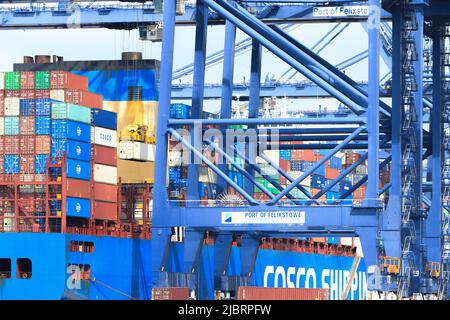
(76, 163)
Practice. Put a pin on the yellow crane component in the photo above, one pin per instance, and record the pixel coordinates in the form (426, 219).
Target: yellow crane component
(391, 265)
(137, 132)
(433, 269)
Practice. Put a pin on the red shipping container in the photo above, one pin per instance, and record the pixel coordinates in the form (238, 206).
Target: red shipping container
(27, 80)
(261, 293)
(331, 173)
(27, 125)
(315, 191)
(2, 103)
(43, 144)
(67, 80)
(170, 293)
(83, 98)
(42, 94)
(296, 154)
(105, 155)
(78, 188)
(2, 168)
(12, 93)
(27, 144)
(27, 164)
(105, 210)
(307, 155)
(27, 94)
(2, 146)
(105, 192)
(11, 144)
(284, 164)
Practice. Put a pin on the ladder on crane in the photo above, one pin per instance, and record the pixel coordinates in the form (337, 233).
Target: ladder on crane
(353, 271)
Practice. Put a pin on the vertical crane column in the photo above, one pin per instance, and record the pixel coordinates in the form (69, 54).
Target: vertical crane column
(411, 147)
(444, 102)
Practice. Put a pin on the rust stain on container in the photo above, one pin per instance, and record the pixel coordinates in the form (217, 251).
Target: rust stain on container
(78, 188)
(261, 293)
(105, 155)
(170, 293)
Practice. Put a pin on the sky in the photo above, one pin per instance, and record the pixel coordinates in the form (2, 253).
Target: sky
(104, 44)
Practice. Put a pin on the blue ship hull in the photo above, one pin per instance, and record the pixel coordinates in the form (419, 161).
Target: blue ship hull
(121, 268)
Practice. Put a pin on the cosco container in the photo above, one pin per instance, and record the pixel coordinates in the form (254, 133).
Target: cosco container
(180, 111)
(62, 110)
(11, 126)
(12, 81)
(73, 149)
(105, 210)
(78, 207)
(105, 174)
(43, 106)
(11, 164)
(134, 150)
(40, 163)
(78, 169)
(42, 126)
(12, 106)
(42, 80)
(78, 188)
(27, 107)
(67, 80)
(27, 125)
(105, 192)
(67, 129)
(105, 137)
(105, 119)
(104, 155)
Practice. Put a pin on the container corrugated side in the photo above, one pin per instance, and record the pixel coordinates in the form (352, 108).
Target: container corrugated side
(105, 192)
(78, 188)
(105, 210)
(105, 174)
(135, 150)
(104, 155)
(73, 149)
(12, 106)
(2, 126)
(67, 129)
(61, 110)
(78, 207)
(105, 137)
(103, 118)
(261, 293)
(170, 293)
(78, 169)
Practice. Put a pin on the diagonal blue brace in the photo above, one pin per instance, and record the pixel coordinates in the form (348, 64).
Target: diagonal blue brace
(222, 250)
(249, 251)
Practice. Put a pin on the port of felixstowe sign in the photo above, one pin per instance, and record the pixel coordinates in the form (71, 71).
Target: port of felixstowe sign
(344, 11)
(264, 217)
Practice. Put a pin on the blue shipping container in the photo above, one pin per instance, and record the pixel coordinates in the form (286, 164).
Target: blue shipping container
(40, 163)
(43, 107)
(317, 181)
(320, 170)
(27, 107)
(285, 154)
(344, 186)
(237, 177)
(103, 118)
(74, 149)
(42, 125)
(78, 169)
(66, 129)
(335, 163)
(11, 164)
(180, 111)
(333, 240)
(201, 189)
(78, 207)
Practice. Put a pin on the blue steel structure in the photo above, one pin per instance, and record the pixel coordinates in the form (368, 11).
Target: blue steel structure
(410, 226)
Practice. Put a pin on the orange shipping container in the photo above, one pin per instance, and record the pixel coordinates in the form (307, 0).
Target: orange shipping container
(261, 293)
(308, 155)
(315, 191)
(105, 210)
(105, 192)
(170, 293)
(67, 80)
(83, 98)
(331, 173)
(42, 144)
(78, 188)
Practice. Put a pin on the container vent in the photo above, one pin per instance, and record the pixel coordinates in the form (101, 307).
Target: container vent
(135, 93)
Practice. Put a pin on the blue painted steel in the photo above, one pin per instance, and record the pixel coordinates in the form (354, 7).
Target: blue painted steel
(333, 240)
(66, 129)
(11, 164)
(104, 118)
(43, 107)
(267, 121)
(237, 177)
(42, 125)
(331, 195)
(78, 169)
(27, 107)
(78, 207)
(180, 111)
(334, 188)
(73, 149)
(40, 163)
(344, 186)
(335, 163)
(114, 85)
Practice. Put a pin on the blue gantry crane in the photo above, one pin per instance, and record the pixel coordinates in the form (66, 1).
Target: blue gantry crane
(406, 237)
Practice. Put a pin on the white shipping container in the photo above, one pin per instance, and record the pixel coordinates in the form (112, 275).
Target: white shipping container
(57, 95)
(273, 155)
(134, 150)
(105, 174)
(175, 158)
(2, 80)
(105, 137)
(206, 175)
(12, 106)
(2, 126)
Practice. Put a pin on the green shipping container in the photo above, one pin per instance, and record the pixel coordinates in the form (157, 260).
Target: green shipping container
(266, 185)
(42, 80)
(11, 126)
(12, 81)
(61, 110)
